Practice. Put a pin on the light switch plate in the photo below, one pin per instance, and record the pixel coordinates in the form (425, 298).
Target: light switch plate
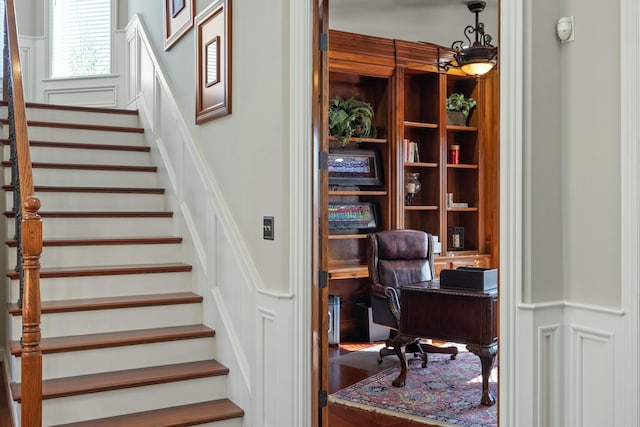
(267, 227)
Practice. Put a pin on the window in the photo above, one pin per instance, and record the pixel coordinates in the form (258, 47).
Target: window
(80, 38)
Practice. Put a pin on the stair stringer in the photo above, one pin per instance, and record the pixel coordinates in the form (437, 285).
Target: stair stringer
(191, 218)
(258, 329)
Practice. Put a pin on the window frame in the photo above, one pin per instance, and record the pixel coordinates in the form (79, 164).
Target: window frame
(49, 50)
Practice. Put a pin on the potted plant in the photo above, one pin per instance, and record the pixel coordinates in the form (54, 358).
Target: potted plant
(350, 117)
(458, 109)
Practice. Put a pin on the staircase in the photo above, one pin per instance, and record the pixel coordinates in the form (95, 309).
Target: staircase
(122, 339)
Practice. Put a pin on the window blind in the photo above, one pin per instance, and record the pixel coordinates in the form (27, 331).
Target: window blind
(80, 38)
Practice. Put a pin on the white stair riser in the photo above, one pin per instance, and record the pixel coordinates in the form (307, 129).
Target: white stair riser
(62, 116)
(83, 156)
(62, 288)
(88, 202)
(90, 178)
(113, 320)
(73, 363)
(69, 116)
(100, 227)
(82, 136)
(81, 256)
(138, 399)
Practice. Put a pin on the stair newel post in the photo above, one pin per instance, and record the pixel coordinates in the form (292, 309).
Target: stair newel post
(31, 405)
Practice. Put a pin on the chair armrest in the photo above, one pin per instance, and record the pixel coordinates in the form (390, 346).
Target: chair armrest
(394, 302)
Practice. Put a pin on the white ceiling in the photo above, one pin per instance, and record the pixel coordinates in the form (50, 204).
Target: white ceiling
(436, 21)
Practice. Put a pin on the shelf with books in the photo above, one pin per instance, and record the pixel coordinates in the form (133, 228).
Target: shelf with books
(360, 185)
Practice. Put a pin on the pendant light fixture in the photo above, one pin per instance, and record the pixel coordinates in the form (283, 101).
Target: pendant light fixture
(475, 57)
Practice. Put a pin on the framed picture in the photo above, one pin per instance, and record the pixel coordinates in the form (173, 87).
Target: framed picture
(213, 56)
(353, 215)
(178, 19)
(455, 238)
(355, 167)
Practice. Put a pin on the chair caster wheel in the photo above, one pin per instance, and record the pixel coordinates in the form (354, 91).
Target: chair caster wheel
(453, 357)
(379, 360)
(424, 364)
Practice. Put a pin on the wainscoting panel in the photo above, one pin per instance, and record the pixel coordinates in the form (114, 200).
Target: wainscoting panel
(28, 73)
(549, 375)
(31, 59)
(266, 380)
(592, 376)
(131, 82)
(98, 96)
(193, 193)
(147, 82)
(169, 133)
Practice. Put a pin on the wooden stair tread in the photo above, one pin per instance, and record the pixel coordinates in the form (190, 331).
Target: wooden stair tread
(179, 416)
(77, 108)
(105, 303)
(116, 339)
(84, 166)
(85, 146)
(65, 189)
(82, 126)
(99, 214)
(108, 270)
(99, 241)
(92, 383)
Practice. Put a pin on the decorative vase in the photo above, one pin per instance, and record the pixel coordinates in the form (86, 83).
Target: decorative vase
(412, 186)
(456, 118)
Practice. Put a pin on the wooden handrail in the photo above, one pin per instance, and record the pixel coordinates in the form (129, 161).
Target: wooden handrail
(29, 225)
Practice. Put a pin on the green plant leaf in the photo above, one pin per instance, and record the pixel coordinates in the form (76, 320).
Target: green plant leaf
(458, 102)
(351, 117)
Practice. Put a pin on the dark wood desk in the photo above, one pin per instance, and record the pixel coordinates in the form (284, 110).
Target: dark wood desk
(466, 317)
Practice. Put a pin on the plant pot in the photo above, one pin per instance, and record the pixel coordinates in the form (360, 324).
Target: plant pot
(456, 118)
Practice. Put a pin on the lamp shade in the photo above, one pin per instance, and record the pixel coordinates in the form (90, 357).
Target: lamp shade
(477, 68)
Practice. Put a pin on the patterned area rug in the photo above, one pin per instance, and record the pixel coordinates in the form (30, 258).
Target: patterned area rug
(446, 392)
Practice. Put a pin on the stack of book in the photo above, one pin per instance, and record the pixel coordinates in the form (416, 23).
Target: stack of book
(411, 154)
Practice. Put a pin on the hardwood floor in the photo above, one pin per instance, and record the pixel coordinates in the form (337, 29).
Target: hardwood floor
(341, 376)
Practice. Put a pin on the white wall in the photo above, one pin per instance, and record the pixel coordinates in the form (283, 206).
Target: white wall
(433, 21)
(591, 160)
(576, 338)
(245, 151)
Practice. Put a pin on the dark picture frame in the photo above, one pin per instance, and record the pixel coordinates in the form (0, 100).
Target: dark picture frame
(213, 57)
(178, 20)
(355, 167)
(353, 215)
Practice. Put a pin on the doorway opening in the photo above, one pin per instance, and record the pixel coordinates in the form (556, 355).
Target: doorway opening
(407, 103)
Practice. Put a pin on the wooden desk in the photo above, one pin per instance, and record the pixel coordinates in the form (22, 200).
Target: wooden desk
(468, 317)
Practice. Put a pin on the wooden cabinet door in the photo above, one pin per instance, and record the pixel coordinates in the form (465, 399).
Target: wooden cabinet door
(438, 266)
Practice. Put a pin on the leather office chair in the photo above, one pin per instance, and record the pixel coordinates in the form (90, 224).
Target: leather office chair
(396, 258)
